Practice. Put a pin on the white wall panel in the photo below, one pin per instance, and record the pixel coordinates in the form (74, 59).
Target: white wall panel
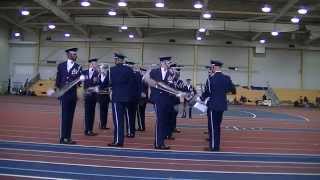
(279, 67)
(183, 55)
(23, 54)
(311, 70)
(47, 72)
(57, 53)
(105, 54)
(230, 56)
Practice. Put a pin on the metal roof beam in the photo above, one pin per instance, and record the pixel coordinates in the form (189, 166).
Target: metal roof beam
(48, 4)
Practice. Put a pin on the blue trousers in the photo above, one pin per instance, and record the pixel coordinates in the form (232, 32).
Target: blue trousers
(118, 113)
(68, 106)
(90, 108)
(214, 128)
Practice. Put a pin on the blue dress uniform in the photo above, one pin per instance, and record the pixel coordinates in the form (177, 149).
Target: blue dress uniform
(90, 98)
(217, 86)
(179, 85)
(142, 104)
(135, 91)
(121, 77)
(69, 100)
(190, 89)
(163, 106)
(104, 99)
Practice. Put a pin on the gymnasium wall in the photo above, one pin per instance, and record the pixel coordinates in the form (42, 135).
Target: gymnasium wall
(281, 68)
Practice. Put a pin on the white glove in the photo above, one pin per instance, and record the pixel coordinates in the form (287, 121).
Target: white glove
(82, 78)
(198, 99)
(50, 92)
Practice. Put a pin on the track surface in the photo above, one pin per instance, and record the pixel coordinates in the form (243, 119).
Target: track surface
(257, 143)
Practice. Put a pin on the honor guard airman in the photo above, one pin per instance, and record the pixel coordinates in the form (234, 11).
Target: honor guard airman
(216, 89)
(189, 89)
(135, 91)
(90, 97)
(120, 78)
(142, 102)
(68, 72)
(163, 103)
(104, 97)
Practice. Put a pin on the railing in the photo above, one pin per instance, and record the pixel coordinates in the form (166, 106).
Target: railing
(272, 95)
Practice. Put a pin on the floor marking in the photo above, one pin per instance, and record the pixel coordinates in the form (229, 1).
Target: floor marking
(152, 158)
(33, 177)
(306, 119)
(172, 151)
(253, 115)
(156, 169)
(76, 173)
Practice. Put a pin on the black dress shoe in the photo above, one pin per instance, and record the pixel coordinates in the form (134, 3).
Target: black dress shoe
(115, 145)
(67, 141)
(170, 138)
(176, 131)
(104, 127)
(163, 147)
(140, 129)
(90, 133)
(130, 135)
(210, 149)
(207, 139)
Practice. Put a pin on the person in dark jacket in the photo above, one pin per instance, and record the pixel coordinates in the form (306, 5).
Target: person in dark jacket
(120, 78)
(90, 98)
(104, 96)
(215, 94)
(67, 72)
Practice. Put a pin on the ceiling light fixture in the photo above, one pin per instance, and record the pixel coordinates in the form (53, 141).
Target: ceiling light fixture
(124, 27)
(25, 12)
(85, 3)
(262, 41)
(274, 33)
(303, 11)
(17, 34)
(67, 35)
(112, 12)
(202, 29)
(266, 8)
(159, 3)
(199, 38)
(206, 15)
(295, 20)
(198, 5)
(122, 3)
(51, 26)
(131, 36)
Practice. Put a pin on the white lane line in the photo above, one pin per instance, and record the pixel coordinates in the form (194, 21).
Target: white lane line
(33, 177)
(157, 158)
(171, 151)
(253, 115)
(156, 169)
(306, 119)
(234, 127)
(76, 173)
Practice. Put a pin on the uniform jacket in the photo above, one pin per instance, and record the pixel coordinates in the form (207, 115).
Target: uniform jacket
(90, 82)
(65, 77)
(121, 79)
(217, 87)
(159, 96)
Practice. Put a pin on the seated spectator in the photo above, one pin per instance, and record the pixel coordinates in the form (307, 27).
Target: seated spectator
(243, 99)
(264, 97)
(235, 101)
(317, 101)
(305, 100)
(300, 100)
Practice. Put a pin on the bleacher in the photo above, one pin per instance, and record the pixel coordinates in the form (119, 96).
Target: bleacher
(288, 96)
(251, 95)
(41, 86)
